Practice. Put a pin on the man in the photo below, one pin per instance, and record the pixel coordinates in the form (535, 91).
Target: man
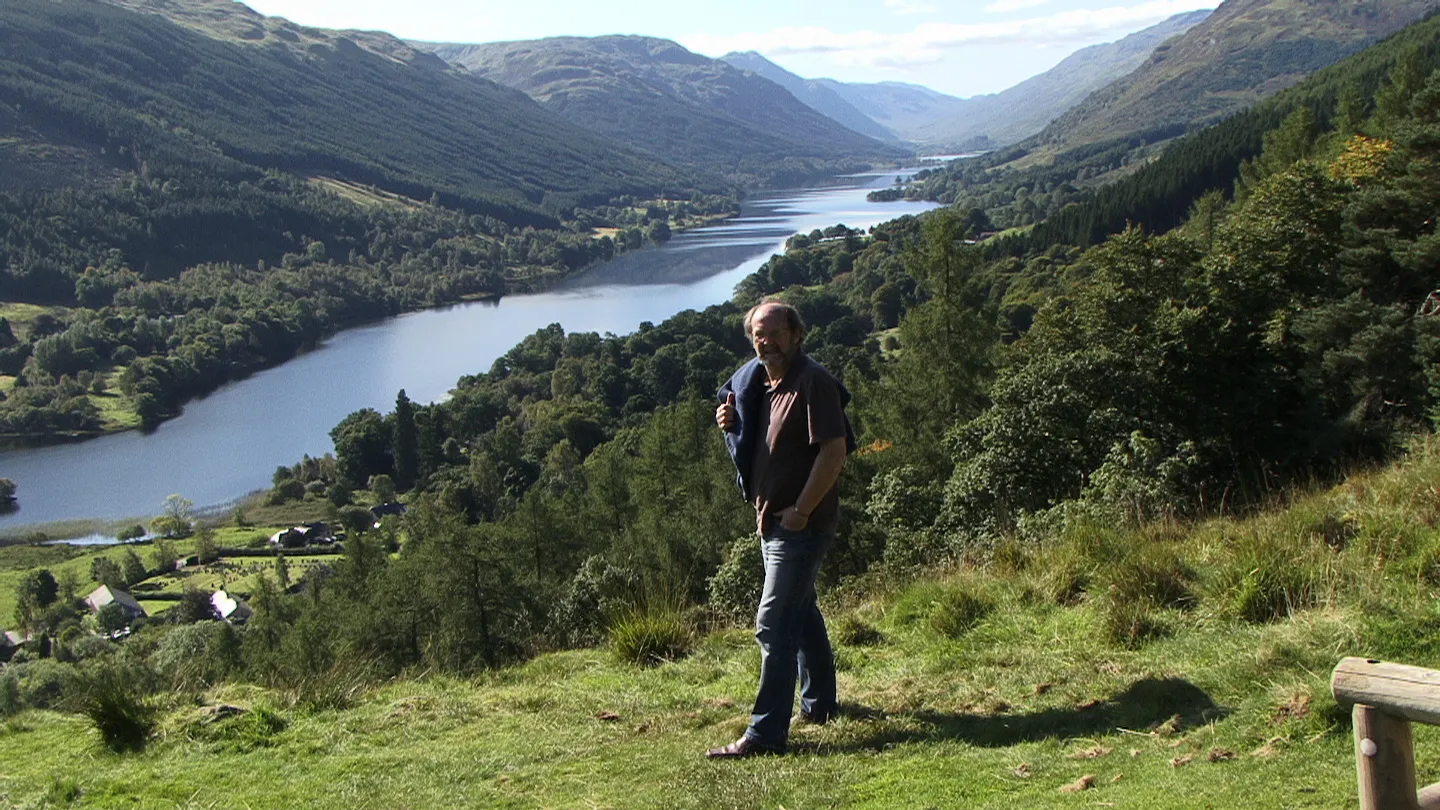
(784, 421)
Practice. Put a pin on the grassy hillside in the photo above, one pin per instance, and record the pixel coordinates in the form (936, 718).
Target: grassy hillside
(1246, 50)
(1175, 667)
(657, 95)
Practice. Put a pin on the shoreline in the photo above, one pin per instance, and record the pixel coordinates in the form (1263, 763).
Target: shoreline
(537, 283)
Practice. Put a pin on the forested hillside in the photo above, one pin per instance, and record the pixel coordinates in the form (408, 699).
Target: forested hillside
(135, 90)
(1073, 203)
(681, 106)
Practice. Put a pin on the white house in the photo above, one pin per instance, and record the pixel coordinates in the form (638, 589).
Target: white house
(230, 609)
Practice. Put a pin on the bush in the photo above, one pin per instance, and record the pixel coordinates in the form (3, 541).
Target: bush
(87, 647)
(598, 593)
(957, 612)
(290, 489)
(43, 683)
(10, 702)
(114, 698)
(736, 587)
(199, 654)
(1151, 575)
(650, 637)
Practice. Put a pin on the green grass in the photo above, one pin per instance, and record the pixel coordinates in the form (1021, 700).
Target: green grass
(117, 412)
(931, 722)
(1019, 688)
(22, 316)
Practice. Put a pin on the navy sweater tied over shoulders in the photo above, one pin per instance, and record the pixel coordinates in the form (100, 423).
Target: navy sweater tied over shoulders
(749, 385)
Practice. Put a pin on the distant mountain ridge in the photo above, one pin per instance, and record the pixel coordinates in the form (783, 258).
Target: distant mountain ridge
(813, 93)
(657, 95)
(1245, 51)
(920, 115)
(1023, 110)
(901, 107)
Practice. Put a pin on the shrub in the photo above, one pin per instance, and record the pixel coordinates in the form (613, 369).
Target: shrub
(248, 730)
(650, 637)
(44, 682)
(598, 592)
(10, 702)
(62, 791)
(1151, 575)
(87, 647)
(114, 698)
(736, 587)
(199, 654)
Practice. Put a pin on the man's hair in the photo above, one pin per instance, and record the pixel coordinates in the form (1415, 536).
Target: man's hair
(792, 319)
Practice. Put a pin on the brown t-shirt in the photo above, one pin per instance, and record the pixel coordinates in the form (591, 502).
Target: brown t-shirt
(804, 412)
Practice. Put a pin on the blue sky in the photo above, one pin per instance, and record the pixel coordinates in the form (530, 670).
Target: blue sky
(963, 47)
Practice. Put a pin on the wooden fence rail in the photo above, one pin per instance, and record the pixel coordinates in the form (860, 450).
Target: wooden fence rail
(1386, 698)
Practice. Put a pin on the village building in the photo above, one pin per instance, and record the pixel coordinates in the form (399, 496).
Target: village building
(229, 608)
(378, 513)
(308, 534)
(105, 595)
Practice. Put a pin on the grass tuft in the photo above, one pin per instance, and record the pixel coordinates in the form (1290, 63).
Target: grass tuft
(853, 631)
(651, 637)
(115, 700)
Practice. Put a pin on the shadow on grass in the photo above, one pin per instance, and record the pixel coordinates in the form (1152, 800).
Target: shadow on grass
(1146, 705)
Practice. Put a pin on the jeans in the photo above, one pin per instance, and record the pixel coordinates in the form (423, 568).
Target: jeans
(792, 636)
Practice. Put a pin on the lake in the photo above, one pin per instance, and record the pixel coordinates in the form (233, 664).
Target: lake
(226, 445)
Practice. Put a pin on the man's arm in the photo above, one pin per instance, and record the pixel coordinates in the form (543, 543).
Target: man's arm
(823, 474)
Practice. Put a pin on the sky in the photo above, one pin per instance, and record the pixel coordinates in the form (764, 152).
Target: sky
(960, 47)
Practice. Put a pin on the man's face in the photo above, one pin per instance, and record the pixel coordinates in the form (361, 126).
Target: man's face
(775, 344)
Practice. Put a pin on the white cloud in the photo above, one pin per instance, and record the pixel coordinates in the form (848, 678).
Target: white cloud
(913, 7)
(929, 42)
(1004, 6)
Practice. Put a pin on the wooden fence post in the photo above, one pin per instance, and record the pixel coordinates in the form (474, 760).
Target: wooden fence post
(1384, 760)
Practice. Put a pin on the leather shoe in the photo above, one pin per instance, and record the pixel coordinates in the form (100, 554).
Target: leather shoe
(742, 748)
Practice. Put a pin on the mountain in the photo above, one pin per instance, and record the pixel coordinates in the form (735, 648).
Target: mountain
(657, 95)
(1245, 51)
(91, 90)
(1023, 110)
(815, 95)
(900, 107)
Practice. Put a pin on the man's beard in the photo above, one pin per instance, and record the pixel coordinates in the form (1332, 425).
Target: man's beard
(775, 357)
